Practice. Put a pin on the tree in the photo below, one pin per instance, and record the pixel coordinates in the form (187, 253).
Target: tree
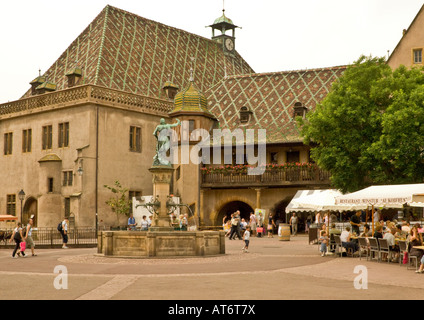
(359, 131)
(120, 203)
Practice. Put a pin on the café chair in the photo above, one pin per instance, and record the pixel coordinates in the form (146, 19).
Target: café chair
(374, 248)
(384, 248)
(415, 259)
(339, 248)
(363, 245)
(403, 249)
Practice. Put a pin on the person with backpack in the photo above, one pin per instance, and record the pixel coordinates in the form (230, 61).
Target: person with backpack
(18, 238)
(63, 229)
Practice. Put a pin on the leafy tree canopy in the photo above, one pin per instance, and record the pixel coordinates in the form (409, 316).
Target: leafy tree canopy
(369, 128)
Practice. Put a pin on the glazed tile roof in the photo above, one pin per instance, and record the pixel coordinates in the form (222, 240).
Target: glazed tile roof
(271, 98)
(123, 51)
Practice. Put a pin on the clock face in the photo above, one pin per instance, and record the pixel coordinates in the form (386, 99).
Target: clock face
(229, 44)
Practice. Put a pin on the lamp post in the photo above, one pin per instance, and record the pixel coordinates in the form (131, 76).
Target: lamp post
(21, 196)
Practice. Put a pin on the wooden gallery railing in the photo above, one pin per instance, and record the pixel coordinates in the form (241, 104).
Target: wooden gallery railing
(289, 176)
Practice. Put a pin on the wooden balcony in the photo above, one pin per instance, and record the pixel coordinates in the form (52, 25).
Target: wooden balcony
(290, 177)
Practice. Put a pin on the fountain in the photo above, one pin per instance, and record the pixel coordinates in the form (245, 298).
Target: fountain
(161, 240)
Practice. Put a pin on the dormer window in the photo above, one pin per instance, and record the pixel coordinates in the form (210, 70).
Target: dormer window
(299, 110)
(245, 115)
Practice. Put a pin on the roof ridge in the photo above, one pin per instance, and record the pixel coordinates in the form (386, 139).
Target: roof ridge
(284, 72)
(106, 10)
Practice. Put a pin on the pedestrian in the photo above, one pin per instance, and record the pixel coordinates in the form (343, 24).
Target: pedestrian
(131, 222)
(144, 224)
(235, 226)
(252, 223)
(324, 242)
(246, 237)
(28, 236)
(260, 225)
(64, 233)
(17, 237)
(293, 222)
(243, 226)
(271, 224)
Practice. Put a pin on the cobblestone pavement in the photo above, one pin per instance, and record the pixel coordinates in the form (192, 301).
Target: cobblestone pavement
(272, 270)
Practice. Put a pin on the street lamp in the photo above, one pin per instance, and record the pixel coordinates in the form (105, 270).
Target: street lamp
(21, 196)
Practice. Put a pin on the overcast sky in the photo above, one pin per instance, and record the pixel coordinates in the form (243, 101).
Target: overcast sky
(276, 35)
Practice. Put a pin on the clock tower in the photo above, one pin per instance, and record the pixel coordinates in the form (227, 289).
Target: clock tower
(223, 24)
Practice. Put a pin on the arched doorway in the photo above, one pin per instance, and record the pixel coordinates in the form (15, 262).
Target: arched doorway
(280, 210)
(30, 209)
(232, 207)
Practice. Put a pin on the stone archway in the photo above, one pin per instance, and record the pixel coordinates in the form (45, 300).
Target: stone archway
(217, 214)
(279, 209)
(30, 209)
(233, 206)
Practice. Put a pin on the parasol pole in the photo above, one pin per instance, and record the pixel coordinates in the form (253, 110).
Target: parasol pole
(372, 219)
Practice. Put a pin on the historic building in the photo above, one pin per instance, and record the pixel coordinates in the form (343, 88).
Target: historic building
(409, 50)
(88, 121)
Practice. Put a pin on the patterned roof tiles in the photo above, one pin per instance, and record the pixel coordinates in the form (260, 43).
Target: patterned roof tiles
(123, 51)
(271, 98)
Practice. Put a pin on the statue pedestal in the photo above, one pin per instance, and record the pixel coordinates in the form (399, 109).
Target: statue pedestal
(162, 176)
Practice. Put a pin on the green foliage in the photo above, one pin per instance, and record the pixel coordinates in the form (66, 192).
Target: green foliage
(120, 203)
(369, 127)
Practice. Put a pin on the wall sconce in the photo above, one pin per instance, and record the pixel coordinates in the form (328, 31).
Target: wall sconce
(80, 169)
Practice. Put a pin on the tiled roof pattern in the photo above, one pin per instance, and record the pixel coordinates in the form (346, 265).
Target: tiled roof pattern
(271, 97)
(123, 51)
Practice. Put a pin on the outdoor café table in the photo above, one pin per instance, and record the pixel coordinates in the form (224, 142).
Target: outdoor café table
(418, 247)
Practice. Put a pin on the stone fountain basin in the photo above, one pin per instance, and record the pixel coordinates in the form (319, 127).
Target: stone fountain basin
(148, 244)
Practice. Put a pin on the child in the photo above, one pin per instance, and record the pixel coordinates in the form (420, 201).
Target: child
(246, 237)
(324, 241)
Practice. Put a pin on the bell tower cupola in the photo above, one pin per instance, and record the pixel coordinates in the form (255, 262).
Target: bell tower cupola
(222, 25)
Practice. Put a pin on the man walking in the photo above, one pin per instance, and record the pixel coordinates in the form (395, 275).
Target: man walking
(294, 220)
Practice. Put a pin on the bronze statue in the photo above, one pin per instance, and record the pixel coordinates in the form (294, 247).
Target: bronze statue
(162, 146)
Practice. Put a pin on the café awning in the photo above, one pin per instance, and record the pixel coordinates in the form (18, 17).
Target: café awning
(384, 196)
(319, 200)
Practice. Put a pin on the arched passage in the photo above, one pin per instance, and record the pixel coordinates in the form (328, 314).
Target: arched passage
(280, 210)
(229, 208)
(30, 209)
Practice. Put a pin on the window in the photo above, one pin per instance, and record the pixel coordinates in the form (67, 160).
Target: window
(135, 139)
(26, 140)
(418, 56)
(11, 204)
(50, 185)
(67, 178)
(293, 156)
(8, 143)
(245, 115)
(274, 157)
(47, 137)
(299, 110)
(63, 135)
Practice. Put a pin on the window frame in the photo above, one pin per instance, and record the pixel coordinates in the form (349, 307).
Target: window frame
(26, 140)
(8, 143)
(11, 204)
(47, 137)
(63, 135)
(414, 56)
(135, 139)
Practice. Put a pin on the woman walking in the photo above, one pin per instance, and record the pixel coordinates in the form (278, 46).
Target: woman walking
(17, 236)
